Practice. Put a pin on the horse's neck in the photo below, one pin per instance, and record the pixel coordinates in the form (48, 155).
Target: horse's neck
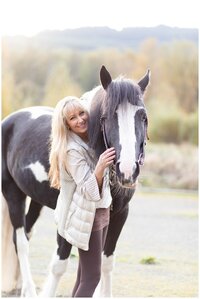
(88, 96)
(121, 197)
(92, 101)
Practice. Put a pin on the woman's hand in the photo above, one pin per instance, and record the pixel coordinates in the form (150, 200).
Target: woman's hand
(105, 160)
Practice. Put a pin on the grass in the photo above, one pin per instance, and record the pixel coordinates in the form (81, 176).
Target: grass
(150, 260)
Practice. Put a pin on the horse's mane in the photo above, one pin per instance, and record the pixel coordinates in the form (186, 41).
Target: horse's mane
(95, 133)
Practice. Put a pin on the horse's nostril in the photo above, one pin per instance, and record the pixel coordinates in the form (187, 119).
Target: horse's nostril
(141, 159)
(137, 171)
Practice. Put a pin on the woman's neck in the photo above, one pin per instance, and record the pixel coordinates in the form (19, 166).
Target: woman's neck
(84, 137)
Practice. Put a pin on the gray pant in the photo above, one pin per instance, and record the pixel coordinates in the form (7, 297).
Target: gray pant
(89, 269)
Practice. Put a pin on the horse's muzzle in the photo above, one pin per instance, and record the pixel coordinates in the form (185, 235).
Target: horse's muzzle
(128, 181)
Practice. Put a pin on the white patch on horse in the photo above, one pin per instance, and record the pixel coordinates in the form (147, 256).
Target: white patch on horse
(87, 97)
(127, 138)
(36, 112)
(38, 171)
(28, 287)
(57, 268)
(106, 277)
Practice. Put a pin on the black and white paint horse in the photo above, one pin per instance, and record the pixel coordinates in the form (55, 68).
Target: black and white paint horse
(118, 118)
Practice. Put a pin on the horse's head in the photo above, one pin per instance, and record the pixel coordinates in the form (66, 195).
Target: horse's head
(124, 124)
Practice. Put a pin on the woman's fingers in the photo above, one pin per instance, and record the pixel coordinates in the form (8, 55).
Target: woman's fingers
(109, 152)
(108, 156)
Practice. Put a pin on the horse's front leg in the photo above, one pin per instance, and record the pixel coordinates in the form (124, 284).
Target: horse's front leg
(116, 224)
(58, 267)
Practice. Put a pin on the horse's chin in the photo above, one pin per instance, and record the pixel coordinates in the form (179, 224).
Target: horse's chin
(128, 185)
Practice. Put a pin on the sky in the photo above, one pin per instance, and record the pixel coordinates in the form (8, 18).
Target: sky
(28, 17)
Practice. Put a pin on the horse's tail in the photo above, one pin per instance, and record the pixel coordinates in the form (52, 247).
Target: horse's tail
(9, 261)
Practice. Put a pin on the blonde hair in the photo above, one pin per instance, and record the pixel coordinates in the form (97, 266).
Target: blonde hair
(59, 136)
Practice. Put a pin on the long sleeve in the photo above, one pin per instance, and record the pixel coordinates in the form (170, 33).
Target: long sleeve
(78, 167)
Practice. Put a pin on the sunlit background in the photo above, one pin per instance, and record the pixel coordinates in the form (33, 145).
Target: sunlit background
(43, 61)
(51, 49)
(28, 17)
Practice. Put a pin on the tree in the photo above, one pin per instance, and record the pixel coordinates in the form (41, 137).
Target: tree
(59, 85)
(8, 94)
(181, 72)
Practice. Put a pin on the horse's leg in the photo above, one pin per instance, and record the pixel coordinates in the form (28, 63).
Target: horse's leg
(116, 224)
(16, 206)
(9, 259)
(32, 215)
(58, 267)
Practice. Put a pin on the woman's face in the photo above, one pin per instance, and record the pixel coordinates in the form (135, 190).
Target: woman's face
(77, 120)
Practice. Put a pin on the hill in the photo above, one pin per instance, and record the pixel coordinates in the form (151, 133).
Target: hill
(91, 38)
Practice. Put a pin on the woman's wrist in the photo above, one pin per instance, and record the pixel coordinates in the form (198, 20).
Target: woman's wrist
(99, 173)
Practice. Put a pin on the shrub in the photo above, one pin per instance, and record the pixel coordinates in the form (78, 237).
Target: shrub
(170, 166)
(173, 126)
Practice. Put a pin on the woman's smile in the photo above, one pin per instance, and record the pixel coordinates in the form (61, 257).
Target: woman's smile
(77, 121)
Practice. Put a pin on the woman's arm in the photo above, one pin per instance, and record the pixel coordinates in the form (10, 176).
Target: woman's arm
(88, 182)
(105, 160)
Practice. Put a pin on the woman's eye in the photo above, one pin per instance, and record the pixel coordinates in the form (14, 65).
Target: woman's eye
(82, 112)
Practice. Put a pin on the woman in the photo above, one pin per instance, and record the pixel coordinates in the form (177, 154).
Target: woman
(82, 210)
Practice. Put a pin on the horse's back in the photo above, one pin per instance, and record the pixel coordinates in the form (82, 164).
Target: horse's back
(25, 146)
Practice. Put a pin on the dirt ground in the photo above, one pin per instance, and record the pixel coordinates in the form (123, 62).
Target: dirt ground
(163, 226)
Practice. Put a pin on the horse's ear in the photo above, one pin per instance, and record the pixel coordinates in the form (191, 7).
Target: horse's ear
(105, 77)
(144, 81)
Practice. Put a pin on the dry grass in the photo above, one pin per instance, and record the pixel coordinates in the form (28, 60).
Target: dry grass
(170, 166)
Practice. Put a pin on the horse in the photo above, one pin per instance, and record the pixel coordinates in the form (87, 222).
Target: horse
(118, 118)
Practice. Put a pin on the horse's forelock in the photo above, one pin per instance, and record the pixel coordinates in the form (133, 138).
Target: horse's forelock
(120, 90)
